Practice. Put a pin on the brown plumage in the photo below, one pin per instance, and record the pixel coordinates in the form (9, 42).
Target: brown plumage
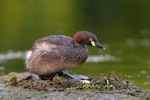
(55, 53)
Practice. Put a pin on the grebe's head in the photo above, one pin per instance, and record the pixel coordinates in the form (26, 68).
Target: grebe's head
(87, 38)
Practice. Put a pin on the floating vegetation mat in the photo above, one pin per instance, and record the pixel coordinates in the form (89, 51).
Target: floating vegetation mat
(106, 83)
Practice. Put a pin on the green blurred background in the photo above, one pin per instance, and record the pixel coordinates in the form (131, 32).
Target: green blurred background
(123, 26)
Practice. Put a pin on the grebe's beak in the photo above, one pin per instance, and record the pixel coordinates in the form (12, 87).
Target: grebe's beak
(100, 46)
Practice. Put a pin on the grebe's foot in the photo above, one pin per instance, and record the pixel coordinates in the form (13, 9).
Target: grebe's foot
(75, 77)
(34, 77)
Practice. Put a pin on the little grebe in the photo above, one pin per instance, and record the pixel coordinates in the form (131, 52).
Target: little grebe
(56, 53)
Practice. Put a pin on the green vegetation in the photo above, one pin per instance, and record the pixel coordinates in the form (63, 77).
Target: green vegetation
(123, 26)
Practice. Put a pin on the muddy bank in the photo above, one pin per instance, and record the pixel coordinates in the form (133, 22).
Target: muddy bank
(15, 86)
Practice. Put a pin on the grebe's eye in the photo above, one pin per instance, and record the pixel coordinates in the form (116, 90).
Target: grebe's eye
(92, 42)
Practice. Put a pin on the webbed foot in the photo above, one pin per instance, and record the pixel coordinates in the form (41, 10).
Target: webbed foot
(75, 77)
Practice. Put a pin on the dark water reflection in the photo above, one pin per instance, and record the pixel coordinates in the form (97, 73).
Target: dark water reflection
(123, 26)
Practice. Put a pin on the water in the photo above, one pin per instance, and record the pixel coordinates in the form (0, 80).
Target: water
(95, 65)
(122, 26)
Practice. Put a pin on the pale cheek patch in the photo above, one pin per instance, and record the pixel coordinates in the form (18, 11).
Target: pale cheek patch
(93, 43)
